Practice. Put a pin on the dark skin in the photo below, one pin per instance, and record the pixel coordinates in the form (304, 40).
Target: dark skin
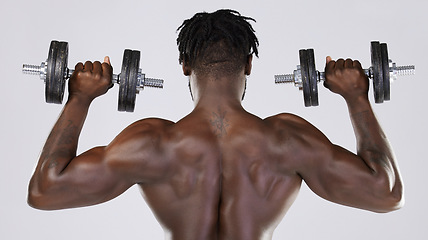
(220, 172)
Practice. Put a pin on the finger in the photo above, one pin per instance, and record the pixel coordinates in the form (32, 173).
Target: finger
(340, 63)
(330, 64)
(87, 66)
(78, 67)
(349, 63)
(96, 67)
(357, 64)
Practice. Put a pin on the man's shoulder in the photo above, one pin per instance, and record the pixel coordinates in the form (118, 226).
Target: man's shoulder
(287, 119)
(152, 122)
(293, 125)
(146, 127)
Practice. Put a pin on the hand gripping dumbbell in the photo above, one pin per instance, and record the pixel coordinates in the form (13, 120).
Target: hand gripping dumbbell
(382, 71)
(54, 72)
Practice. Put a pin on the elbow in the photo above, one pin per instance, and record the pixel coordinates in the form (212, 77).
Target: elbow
(388, 189)
(35, 200)
(390, 206)
(393, 200)
(40, 201)
(38, 196)
(35, 197)
(396, 199)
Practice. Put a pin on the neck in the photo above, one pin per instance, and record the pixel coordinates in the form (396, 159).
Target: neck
(214, 91)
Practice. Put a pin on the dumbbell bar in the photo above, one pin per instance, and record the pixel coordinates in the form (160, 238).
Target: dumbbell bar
(382, 71)
(54, 72)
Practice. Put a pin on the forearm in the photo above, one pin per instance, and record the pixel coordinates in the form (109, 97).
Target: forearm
(373, 146)
(61, 146)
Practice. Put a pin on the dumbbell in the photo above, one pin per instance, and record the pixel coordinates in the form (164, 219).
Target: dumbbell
(54, 72)
(382, 71)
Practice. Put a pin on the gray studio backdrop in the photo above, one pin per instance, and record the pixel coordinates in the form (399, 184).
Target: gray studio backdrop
(98, 28)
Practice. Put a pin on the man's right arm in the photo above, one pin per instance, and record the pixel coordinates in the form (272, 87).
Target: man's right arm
(369, 179)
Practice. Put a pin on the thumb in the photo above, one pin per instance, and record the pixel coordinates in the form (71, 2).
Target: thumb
(107, 60)
(328, 59)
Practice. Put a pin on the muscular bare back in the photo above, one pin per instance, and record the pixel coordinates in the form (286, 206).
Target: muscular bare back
(224, 174)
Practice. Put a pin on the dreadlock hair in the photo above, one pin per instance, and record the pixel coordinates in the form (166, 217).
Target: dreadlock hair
(218, 42)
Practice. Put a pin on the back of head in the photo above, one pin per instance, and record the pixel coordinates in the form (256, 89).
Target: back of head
(216, 43)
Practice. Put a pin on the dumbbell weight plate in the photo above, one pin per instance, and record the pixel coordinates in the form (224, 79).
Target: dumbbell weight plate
(313, 86)
(61, 70)
(385, 68)
(123, 80)
(50, 74)
(128, 80)
(133, 81)
(378, 87)
(56, 69)
(306, 86)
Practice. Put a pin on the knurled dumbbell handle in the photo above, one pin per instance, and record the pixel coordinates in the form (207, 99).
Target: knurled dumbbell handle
(41, 70)
(153, 82)
(321, 75)
(394, 70)
(114, 78)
